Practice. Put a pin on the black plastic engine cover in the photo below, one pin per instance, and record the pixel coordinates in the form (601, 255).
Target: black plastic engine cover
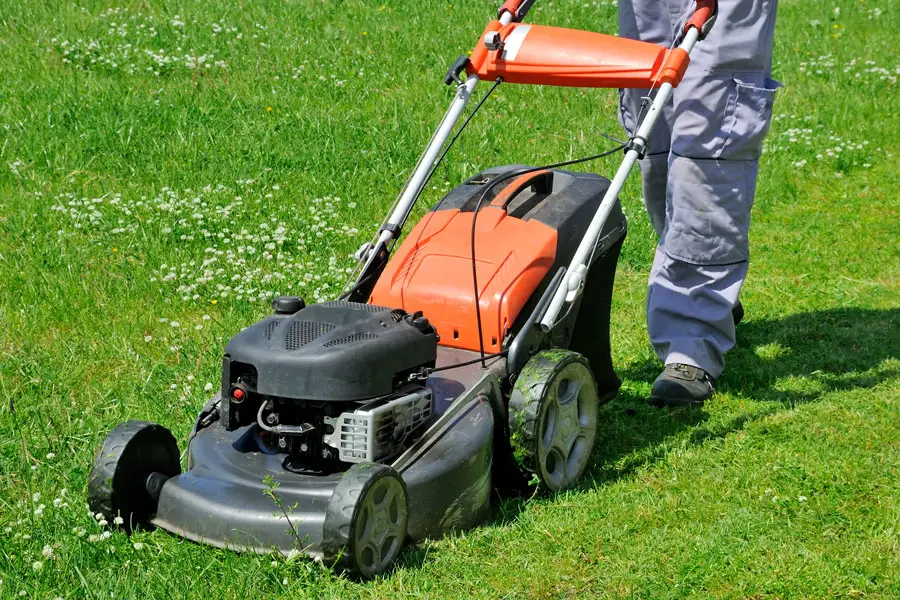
(334, 351)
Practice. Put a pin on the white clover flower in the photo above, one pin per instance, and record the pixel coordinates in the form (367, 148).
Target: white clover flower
(102, 523)
(148, 338)
(208, 387)
(802, 498)
(37, 565)
(118, 520)
(47, 552)
(35, 497)
(39, 510)
(138, 546)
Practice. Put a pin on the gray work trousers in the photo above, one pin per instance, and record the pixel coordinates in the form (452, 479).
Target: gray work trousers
(699, 174)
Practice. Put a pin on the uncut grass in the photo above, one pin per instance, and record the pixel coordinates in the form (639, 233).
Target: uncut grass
(335, 100)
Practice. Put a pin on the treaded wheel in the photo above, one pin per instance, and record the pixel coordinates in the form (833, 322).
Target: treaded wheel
(117, 486)
(553, 417)
(365, 523)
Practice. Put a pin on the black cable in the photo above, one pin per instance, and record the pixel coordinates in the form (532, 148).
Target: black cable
(455, 136)
(431, 172)
(492, 184)
(468, 362)
(616, 140)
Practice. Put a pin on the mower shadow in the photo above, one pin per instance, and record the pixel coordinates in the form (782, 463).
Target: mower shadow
(777, 364)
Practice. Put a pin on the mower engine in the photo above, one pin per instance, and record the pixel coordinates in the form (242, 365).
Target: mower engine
(329, 384)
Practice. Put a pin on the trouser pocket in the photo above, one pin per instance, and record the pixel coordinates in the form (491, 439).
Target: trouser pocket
(748, 117)
(721, 120)
(708, 213)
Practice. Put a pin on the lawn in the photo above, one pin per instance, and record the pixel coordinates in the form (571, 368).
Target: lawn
(167, 167)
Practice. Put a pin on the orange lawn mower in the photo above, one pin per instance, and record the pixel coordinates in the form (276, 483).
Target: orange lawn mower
(455, 362)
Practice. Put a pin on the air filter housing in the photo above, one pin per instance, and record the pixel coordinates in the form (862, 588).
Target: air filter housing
(334, 351)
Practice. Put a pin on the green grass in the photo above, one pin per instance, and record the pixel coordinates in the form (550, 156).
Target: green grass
(785, 485)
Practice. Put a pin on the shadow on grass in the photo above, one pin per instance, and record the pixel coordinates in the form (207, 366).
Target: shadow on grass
(777, 363)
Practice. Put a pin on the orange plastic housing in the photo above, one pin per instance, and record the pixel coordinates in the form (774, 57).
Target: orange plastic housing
(432, 272)
(542, 55)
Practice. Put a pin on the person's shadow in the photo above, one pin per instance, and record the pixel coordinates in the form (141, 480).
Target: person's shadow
(777, 364)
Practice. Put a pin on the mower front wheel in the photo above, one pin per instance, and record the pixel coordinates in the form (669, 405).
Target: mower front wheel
(366, 521)
(553, 411)
(134, 461)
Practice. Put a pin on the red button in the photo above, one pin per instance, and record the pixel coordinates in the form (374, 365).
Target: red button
(237, 394)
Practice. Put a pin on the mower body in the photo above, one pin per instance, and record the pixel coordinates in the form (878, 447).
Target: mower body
(472, 356)
(332, 384)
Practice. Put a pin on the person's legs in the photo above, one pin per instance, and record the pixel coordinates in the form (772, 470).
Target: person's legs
(722, 110)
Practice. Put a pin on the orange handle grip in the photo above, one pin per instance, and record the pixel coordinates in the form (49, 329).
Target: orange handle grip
(704, 17)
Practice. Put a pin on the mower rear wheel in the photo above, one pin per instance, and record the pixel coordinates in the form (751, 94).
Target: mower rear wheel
(366, 520)
(553, 418)
(120, 480)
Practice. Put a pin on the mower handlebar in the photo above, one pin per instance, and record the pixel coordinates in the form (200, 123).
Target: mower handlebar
(703, 18)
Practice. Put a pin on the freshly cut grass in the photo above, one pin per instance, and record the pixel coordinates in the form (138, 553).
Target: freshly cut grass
(166, 168)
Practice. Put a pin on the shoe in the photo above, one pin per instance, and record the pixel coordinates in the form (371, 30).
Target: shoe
(681, 385)
(737, 313)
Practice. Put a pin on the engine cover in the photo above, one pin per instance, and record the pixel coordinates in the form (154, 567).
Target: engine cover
(334, 351)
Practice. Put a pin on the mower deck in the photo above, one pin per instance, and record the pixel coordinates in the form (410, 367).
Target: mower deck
(221, 499)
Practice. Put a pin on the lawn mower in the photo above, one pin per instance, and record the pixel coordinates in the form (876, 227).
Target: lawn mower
(454, 362)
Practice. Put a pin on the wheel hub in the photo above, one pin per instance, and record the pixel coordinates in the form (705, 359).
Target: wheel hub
(561, 392)
(381, 526)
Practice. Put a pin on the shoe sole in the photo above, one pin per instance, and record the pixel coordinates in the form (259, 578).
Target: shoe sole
(675, 402)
